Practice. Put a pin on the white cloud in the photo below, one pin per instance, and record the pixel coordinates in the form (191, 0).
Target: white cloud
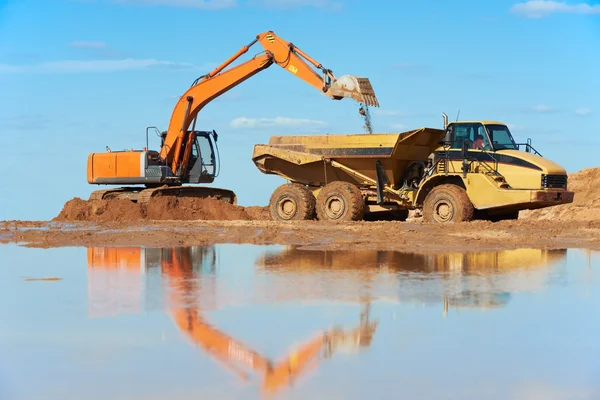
(76, 66)
(583, 111)
(252, 123)
(204, 4)
(543, 8)
(88, 45)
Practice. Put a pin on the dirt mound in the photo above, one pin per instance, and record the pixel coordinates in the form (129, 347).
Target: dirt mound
(159, 208)
(585, 206)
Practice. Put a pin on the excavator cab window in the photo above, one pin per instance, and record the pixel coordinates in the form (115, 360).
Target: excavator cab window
(207, 154)
(203, 166)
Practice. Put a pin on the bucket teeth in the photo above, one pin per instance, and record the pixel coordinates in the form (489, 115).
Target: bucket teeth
(357, 88)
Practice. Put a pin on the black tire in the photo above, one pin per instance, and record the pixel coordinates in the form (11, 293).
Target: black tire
(447, 203)
(340, 201)
(292, 202)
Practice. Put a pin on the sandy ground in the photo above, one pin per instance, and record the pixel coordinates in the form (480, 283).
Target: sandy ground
(410, 236)
(168, 222)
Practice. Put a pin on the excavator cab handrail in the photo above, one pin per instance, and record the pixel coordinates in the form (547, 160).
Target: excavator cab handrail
(148, 129)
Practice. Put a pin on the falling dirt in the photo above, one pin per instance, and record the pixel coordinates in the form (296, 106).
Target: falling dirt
(159, 208)
(364, 111)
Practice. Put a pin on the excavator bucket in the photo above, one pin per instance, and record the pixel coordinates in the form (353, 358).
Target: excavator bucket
(357, 88)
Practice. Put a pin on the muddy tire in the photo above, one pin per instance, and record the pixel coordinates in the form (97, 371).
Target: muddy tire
(292, 202)
(447, 203)
(340, 201)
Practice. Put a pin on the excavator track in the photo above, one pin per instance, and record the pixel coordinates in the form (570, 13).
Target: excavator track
(116, 193)
(226, 196)
(142, 196)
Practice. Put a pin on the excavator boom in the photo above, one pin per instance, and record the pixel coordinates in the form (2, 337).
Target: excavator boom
(182, 157)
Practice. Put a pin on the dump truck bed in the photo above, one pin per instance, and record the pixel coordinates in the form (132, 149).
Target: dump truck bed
(299, 158)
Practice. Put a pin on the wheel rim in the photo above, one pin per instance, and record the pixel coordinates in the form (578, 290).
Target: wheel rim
(287, 208)
(443, 211)
(335, 207)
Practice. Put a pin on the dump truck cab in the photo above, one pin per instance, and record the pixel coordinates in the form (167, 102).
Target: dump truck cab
(499, 175)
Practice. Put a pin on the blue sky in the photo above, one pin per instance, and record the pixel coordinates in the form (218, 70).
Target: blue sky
(80, 75)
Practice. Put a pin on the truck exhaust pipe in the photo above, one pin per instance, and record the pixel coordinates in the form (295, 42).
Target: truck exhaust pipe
(353, 87)
(445, 117)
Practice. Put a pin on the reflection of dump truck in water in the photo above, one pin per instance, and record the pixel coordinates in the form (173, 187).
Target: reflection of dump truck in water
(180, 270)
(480, 279)
(470, 169)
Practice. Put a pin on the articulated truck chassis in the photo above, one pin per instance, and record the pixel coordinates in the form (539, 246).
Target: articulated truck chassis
(468, 170)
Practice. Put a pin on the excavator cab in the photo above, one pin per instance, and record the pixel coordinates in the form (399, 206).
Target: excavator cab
(203, 165)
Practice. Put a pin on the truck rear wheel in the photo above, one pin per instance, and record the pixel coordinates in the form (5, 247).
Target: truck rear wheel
(447, 203)
(340, 201)
(292, 202)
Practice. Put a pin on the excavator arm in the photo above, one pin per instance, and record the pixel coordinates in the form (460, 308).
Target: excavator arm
(177, 144)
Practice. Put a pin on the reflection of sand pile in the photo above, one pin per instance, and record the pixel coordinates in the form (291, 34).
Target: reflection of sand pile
(585, 206)
(160, 208)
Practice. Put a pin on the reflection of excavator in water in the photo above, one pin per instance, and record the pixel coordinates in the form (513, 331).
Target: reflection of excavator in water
(187, 155)
(179, 267)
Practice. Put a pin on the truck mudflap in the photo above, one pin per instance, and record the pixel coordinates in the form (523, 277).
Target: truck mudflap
(552, 196)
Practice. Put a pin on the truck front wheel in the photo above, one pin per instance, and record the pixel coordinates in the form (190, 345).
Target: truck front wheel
(340, 201)
(447, 203)
(292, 202)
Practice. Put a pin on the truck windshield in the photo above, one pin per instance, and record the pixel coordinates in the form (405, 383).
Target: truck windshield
(500, 137)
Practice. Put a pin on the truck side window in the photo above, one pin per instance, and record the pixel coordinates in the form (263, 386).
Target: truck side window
(481, 139)
(474, 133)
(461, 133)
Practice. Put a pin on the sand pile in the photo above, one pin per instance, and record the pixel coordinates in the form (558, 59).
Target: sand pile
(159, 208)
(585, 206)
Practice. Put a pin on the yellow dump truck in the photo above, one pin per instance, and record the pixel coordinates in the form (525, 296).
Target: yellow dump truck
(468, 170)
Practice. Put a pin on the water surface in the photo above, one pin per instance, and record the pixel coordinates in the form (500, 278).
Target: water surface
(243, 321)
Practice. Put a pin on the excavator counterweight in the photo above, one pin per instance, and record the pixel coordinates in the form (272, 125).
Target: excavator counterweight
(189, 156)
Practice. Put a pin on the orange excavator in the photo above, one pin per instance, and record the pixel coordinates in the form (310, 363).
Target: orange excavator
(180, 271)
(190, 156)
